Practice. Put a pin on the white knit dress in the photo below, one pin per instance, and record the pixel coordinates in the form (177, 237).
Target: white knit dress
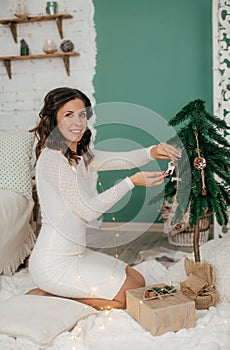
(60, 262)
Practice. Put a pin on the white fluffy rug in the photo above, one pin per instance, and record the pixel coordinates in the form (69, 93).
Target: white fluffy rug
(115, 329)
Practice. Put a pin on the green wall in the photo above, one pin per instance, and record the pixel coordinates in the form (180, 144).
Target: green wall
(155, 54)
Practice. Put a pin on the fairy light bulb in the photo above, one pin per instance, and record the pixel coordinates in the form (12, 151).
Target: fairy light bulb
(93, 290)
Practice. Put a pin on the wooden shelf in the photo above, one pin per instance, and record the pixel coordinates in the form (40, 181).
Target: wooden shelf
(12, 22)
(64, 55)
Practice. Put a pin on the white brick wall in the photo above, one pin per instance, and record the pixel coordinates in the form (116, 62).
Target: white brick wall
(22, 96)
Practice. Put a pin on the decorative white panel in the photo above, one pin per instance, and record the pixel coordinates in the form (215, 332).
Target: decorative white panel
(221, 71)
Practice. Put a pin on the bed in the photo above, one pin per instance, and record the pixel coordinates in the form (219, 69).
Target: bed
(17, 236)
(115, 329)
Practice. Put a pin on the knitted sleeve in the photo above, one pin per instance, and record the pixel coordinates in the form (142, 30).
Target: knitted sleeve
(120, 160)
(73, 185)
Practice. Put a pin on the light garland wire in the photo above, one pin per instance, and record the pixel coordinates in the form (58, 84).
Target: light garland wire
(93, 289)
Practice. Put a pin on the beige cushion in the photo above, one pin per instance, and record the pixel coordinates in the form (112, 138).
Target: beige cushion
(40, 318)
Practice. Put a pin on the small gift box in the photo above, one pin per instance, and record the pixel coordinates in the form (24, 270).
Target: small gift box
(160, 308)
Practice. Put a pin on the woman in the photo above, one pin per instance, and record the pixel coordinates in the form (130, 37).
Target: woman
(60, 263)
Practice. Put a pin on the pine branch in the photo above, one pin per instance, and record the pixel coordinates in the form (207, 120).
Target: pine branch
(211, 183)
(223, 208)
(218, 137)
(224, 192)
(222, 174)
(221, 162)
(216, 150)
(192, 108)
(215, 207)
(220, 123)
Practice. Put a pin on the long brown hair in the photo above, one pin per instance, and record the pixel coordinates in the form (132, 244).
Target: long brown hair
(47, 131)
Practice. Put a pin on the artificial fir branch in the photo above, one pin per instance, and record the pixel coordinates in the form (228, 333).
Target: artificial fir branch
(225, 193)
(220, 123)
(199, 125)
(211, 142)
(217, 137)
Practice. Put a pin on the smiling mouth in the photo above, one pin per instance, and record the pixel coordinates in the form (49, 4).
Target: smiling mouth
(75, 131)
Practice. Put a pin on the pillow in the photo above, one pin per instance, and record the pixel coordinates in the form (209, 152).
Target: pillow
(217, 253)
(16, 234)
(15, 161)
(40, 318)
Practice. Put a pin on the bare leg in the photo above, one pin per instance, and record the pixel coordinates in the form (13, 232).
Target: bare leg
(136, 275)
(97, 303)
(133, 280)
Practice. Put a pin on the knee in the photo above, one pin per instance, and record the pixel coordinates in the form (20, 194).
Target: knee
(136, 276)
(141, 281)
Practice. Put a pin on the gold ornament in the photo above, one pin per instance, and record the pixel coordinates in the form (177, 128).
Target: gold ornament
(199, 163)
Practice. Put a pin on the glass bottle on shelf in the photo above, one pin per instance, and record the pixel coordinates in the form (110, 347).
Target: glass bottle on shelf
(24, 48)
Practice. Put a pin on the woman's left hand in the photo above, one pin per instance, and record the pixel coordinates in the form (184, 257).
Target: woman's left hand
(165, 151)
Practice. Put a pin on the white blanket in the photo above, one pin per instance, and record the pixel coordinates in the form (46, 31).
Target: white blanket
(116, 330)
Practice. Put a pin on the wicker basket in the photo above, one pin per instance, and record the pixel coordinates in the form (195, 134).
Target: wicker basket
(182, 234)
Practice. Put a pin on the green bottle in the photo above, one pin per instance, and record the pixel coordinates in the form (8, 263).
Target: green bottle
(24, 49)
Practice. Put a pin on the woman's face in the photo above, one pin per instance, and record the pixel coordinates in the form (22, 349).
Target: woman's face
(72, 121)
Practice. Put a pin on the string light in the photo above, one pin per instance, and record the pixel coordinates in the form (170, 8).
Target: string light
(92, 290)
(114, 220)
(76, 337)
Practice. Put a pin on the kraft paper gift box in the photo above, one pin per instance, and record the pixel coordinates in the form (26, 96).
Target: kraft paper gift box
(160, 315)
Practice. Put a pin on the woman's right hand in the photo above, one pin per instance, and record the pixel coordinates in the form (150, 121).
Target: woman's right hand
(148, 178)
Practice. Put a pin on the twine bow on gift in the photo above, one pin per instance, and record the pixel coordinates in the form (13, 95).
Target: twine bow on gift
(199, 286)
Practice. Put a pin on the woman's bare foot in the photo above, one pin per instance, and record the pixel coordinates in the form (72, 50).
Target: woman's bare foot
(37, 291)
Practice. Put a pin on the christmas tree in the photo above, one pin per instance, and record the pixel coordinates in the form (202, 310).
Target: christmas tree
(203, 169)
